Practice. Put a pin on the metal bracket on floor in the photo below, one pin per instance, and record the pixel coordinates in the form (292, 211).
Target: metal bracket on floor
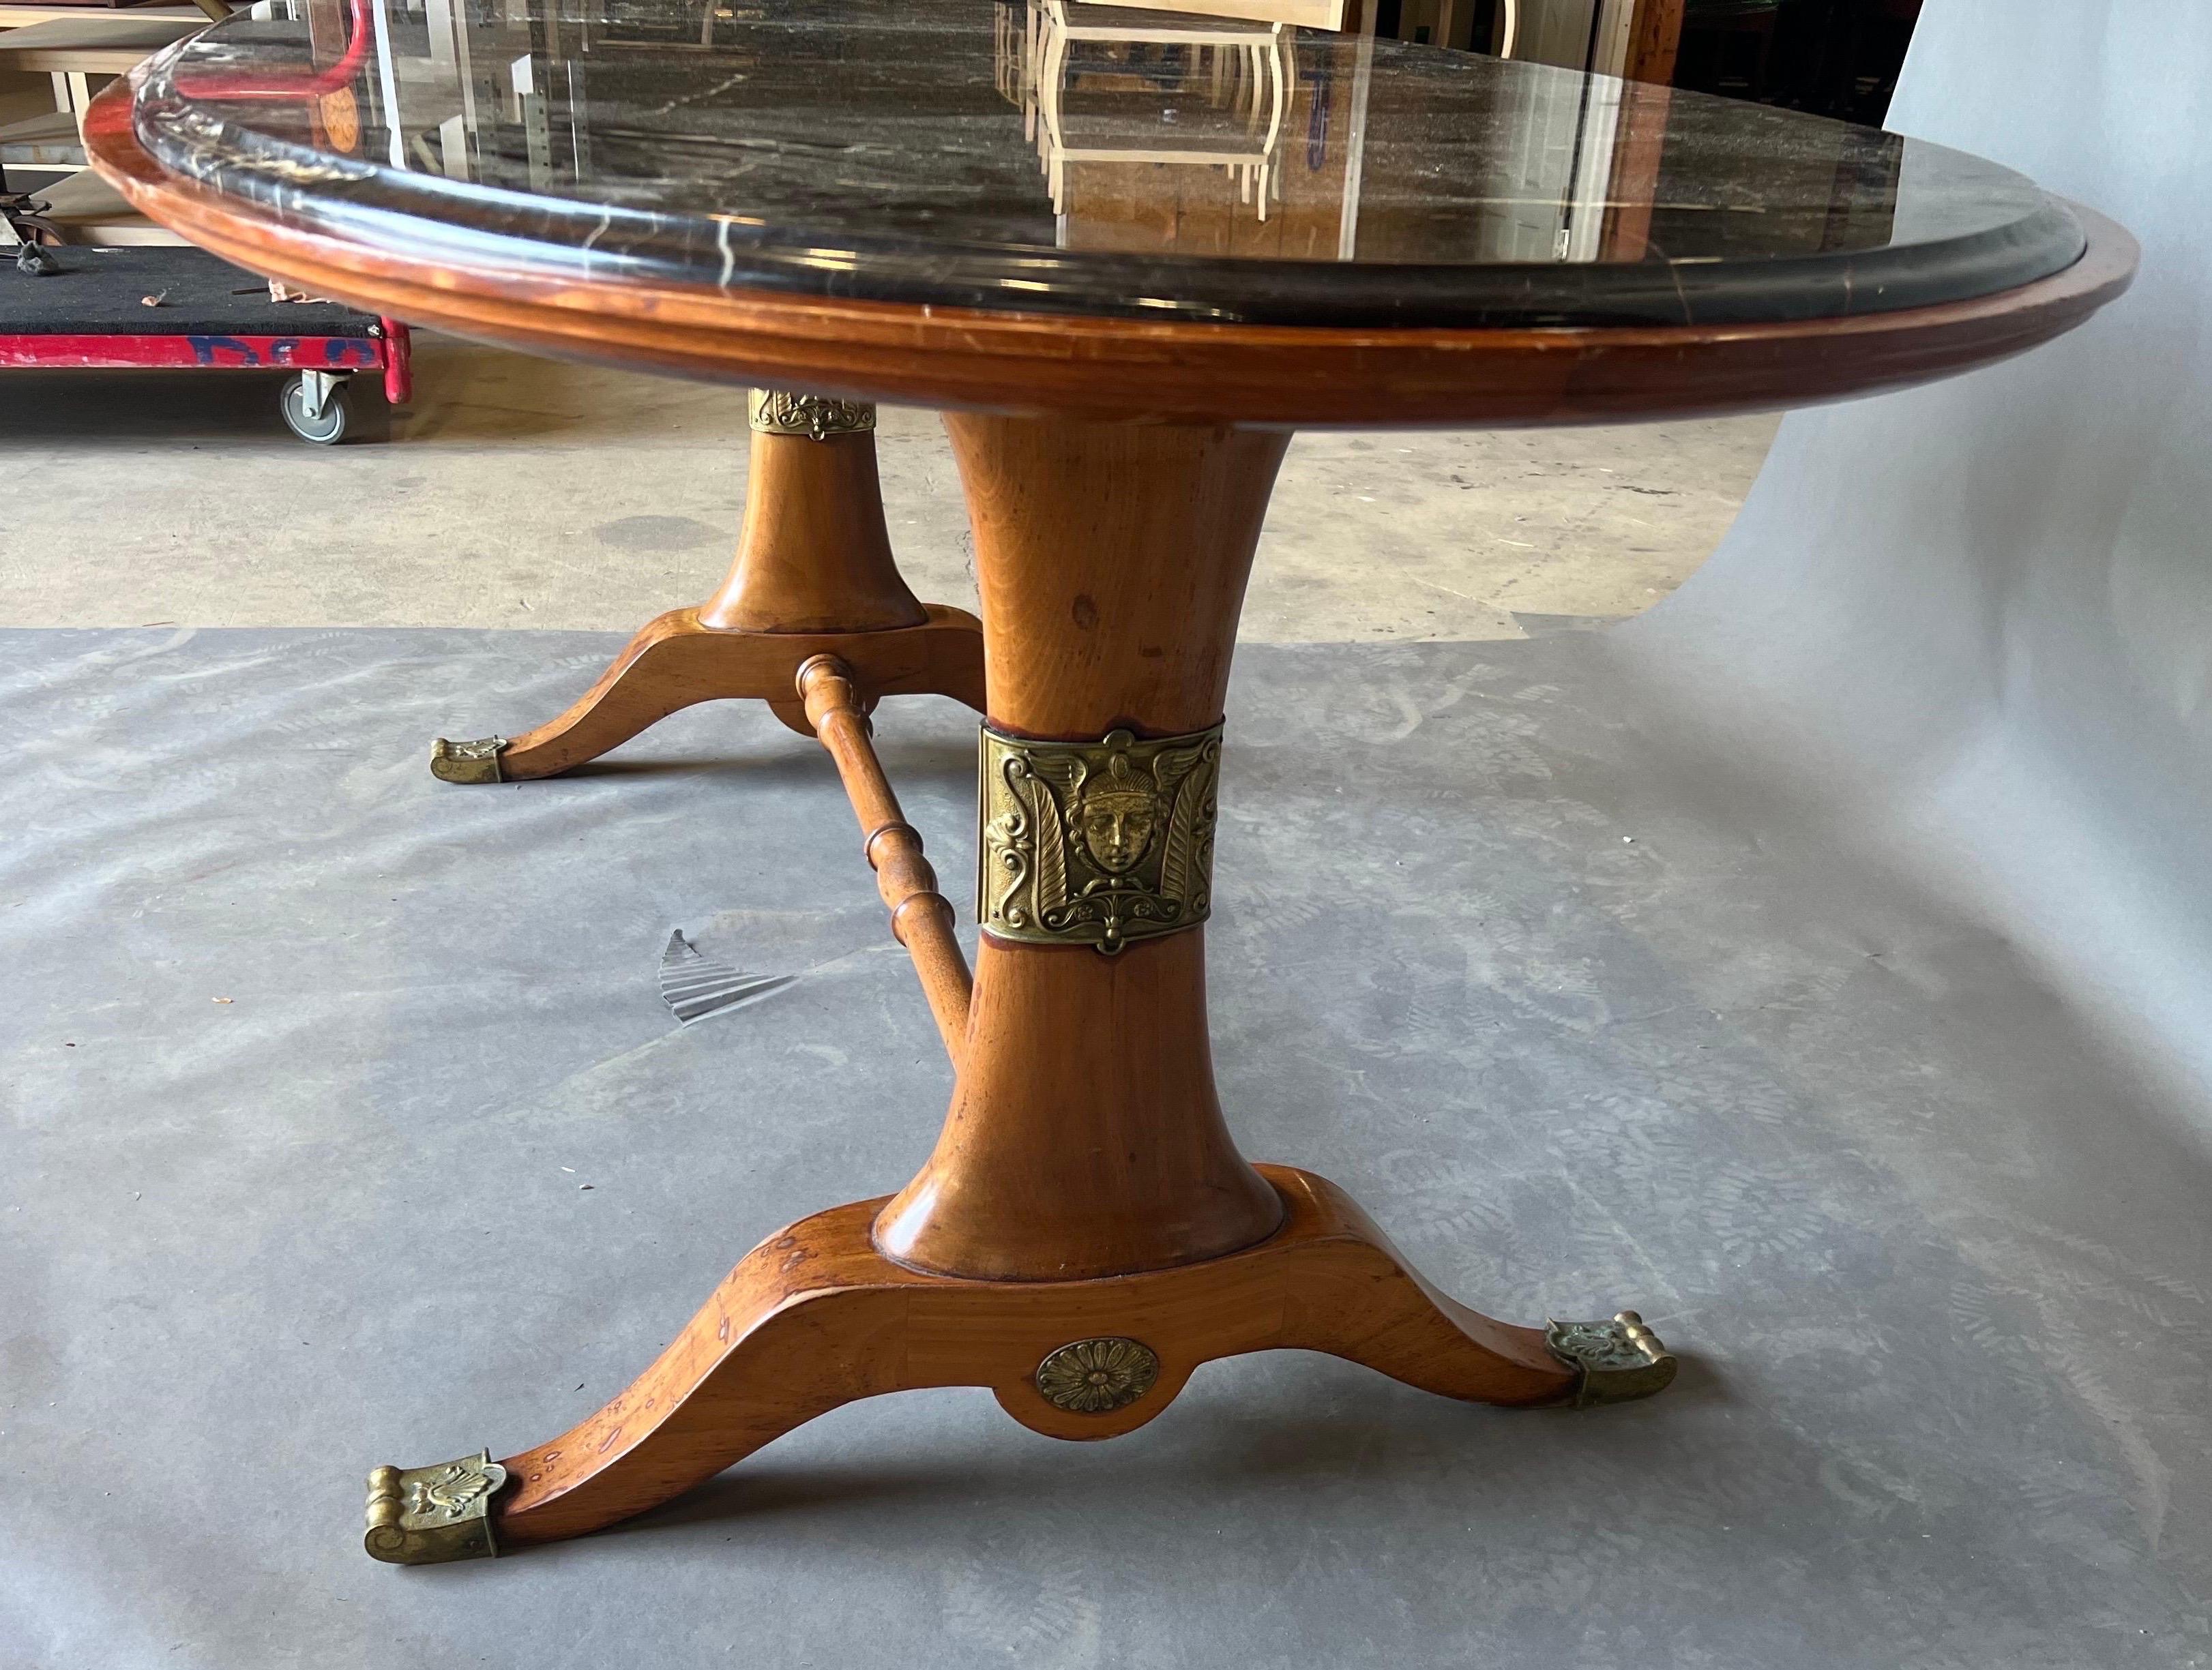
(427, 1516)
(1620, 1360)
(474, 762)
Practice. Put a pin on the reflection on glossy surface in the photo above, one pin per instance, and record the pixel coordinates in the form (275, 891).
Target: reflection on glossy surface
(1245, 67)
(1066, 156)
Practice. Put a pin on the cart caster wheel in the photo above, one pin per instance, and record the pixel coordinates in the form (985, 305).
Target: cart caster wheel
(326, 428)
(33, 259)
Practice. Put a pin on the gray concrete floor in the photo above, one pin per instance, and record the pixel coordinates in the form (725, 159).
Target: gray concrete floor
(571, 497)
(305, 1060)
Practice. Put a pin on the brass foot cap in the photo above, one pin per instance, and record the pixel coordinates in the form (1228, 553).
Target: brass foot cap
(474, 762)
(424, 1515)
(1620, 1360)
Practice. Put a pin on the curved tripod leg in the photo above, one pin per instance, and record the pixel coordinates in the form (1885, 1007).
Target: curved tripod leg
(1362, 1301)
(814, 575)
(810, 1320)
(814, 1317)
(676, 663)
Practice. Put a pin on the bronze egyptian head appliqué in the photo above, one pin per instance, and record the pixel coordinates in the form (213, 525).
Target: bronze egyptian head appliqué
(1096, 843)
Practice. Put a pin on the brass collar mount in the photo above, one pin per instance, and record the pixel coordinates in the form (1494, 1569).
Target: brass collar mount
(1096, 843)
(776, 411)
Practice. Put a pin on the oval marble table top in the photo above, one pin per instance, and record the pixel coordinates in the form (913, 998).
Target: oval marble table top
(1087, 160)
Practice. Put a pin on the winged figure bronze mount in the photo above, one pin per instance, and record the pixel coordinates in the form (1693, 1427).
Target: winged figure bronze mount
(778, 412)
(1096, 843)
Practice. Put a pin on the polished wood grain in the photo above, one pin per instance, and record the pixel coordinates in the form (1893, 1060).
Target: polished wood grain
(814, 1317)
(1182, 373)
(813, 555)
(1086, 1137)
(921, 917)
(1112, 560)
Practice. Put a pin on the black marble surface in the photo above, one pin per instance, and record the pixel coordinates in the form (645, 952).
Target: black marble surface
(906, 150)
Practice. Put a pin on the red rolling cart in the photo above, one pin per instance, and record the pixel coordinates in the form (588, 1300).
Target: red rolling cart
(186, 309)
(157, 306)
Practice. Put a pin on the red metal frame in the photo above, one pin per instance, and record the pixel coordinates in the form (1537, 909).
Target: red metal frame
(390, 351)
(387, 353)
(118, 350)
(399, 362)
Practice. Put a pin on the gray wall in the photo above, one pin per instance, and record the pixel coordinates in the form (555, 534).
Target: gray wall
(1971, 626)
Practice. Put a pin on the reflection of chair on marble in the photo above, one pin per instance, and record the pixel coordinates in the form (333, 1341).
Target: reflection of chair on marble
(1009, 54)
(1228, 49)
(1249, 67)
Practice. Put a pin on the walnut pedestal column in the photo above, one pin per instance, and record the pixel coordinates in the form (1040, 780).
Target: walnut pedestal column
(814, 575)
(1086, 1138)
(1085, 1234)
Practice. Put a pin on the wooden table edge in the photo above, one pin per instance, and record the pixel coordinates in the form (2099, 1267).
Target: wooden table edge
(1275, 376)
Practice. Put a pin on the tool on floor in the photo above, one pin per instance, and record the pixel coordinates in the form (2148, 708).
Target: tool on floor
(695, 985)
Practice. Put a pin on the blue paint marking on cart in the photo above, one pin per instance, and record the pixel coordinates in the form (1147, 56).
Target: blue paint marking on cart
(213, 350)
(282, 350)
